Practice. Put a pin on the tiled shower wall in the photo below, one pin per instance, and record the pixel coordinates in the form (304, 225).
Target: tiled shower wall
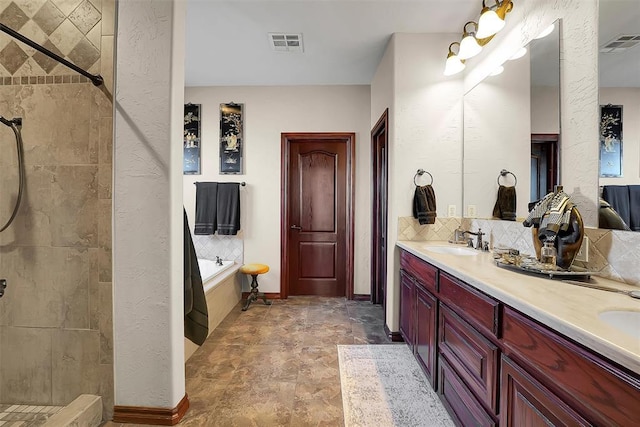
(56, 315)
(613, 254)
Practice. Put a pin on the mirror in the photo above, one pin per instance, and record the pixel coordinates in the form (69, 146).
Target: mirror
(619, 85)
(512, 123)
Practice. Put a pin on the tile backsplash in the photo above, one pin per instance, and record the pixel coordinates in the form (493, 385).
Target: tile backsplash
(613, 254)
(226, 247)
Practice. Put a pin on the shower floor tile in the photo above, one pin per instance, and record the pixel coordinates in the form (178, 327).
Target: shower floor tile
(25, 415)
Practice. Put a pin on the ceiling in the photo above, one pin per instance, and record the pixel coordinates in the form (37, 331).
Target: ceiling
(618, 17)
(227, 41)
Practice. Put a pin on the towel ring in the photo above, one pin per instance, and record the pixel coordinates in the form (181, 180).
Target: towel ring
(420, 173)
(505, 172)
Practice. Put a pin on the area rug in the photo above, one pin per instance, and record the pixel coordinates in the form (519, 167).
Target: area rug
(383, 386)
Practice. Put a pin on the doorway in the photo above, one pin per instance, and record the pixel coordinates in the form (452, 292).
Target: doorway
(317, 214)
(379, 183)
(544, 164)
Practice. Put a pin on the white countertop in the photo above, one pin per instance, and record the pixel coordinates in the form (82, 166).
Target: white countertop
(569, 309)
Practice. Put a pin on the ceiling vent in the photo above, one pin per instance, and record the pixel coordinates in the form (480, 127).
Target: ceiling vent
(621, 43)
(283, 42)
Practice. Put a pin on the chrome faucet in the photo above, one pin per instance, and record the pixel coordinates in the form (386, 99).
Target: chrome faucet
(218, 260)
(480, 245)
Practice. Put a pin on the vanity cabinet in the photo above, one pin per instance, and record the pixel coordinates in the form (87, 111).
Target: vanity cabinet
(418, 310)
(491, 365)
(598, 390)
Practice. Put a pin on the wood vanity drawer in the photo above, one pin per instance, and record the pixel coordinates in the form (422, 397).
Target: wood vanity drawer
(421, 270)
(460, 403)
(474, 358)
(597, 389)
(480, 310)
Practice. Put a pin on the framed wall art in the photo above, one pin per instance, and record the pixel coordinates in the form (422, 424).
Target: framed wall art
(231, 138)
(191, 142)
(611, 140)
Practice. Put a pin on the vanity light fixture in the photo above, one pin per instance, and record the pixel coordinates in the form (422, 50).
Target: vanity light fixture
(454, 64)
(469, 46)
(545, 32)
(491, 21)
(519, 54)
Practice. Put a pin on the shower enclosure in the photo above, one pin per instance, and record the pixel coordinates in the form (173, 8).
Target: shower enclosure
(55, 314)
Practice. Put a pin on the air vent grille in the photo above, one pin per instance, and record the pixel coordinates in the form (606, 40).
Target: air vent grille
(286, 42)
(621, 43)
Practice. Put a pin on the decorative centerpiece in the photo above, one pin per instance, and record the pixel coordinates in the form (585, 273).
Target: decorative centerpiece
(556, 219)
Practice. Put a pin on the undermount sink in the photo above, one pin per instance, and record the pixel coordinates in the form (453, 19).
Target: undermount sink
(452, 250)
(626, 321)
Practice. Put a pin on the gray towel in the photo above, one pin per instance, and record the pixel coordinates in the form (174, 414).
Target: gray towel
(505, 207)
(206, 207)
(228, 208)
(424, 204)
(196, 316)
(634, 207)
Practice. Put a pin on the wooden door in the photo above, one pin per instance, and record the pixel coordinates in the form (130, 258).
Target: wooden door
(317, 206)
(407, 308)
(425, 331)
(544, 164)
(379, 184)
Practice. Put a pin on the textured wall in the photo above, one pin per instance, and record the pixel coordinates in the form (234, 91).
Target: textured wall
(147, 196)
(56, 317)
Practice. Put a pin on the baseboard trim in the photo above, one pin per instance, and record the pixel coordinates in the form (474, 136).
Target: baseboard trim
(361, 297)
(269, 295)
(151, 416)
(393, 336)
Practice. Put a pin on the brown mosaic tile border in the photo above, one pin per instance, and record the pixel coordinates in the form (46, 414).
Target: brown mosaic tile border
(43, 80)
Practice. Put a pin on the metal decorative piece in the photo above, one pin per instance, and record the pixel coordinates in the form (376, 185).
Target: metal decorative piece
(191, 141)
(231, 138)
(611, 140)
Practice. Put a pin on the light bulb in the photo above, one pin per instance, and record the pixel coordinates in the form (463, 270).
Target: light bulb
(497, 71)
(453, 65)
(519, 54)
(489, 24)
(546, 32)
(469, 47)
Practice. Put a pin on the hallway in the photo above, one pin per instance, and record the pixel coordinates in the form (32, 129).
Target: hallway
(277, 365)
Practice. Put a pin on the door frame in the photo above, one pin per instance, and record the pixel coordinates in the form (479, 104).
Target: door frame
(376, 171)
(286, 139)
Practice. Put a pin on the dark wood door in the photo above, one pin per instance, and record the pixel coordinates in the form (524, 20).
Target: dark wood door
(379, 184)
(407, 308)
(318, 215)
(544, 164)
(425, 331)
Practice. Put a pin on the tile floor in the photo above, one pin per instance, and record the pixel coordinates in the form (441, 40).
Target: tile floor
(277, 365)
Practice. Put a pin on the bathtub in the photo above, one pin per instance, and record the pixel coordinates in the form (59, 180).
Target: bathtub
(209, 270)
(222, 290)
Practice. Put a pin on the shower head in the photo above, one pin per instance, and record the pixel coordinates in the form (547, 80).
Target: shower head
(15, 121)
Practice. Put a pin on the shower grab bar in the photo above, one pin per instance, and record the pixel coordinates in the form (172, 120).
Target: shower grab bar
(97, 80)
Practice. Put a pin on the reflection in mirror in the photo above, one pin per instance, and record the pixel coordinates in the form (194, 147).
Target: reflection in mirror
(512, 122)
(619, 83)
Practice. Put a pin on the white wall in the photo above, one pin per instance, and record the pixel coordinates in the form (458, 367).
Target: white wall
(426, 132)
(269, 111)
(497, 135)
(629, 98)
(578, 85)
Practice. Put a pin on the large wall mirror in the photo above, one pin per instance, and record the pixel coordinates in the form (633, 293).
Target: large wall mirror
(619, 86)
(512, 130)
